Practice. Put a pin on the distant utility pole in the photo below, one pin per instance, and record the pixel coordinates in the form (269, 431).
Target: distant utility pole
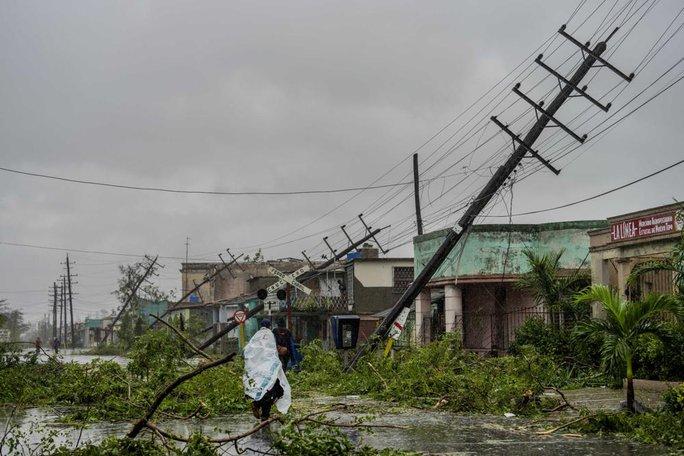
(187, 251)
(71, 301)
(416, 195)
(54, 310)
(63, 311)
(522, 146)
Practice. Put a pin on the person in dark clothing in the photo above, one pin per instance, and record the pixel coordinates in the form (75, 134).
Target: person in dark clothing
(283, 338)
(55, 345)
(262, 408)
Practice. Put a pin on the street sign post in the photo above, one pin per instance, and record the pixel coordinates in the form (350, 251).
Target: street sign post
(240, 317)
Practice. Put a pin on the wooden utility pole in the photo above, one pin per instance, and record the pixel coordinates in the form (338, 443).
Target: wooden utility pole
(54, 310)
(71, 301)
(303, 277)
(416, 195)
(544, 117)
(134, 291)
(64, 312)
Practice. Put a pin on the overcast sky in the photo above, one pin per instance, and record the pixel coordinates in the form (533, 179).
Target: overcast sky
(273, 96)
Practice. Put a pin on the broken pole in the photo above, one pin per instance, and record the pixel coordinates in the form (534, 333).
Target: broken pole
(198, 285)
(134, 291)
(231, 324)
(484, 197)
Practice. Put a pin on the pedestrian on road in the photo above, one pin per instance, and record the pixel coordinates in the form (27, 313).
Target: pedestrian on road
(284, 342)
(264, 379)
(55, 345)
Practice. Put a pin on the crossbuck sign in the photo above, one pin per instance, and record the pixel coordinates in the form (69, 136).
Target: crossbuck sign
(288, 278)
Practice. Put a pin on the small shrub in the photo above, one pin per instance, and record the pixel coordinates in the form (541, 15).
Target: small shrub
(673, 399)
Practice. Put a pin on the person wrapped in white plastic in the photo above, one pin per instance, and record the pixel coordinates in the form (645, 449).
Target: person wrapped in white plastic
(264, 379)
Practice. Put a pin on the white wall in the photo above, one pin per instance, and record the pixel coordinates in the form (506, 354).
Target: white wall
(378, 273)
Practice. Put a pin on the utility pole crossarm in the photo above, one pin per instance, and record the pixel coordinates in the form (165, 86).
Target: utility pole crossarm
(580, 90)
(517, 139)
(594, 54)
(548, 114)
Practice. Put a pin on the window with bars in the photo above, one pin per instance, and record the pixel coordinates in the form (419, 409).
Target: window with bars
(402, 278)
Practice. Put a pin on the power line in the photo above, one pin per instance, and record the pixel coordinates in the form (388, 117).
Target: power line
(95, 252)
(200, 192)
(584, 200)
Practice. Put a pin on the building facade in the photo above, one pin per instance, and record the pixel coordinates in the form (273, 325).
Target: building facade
(474, 292)
(631, 239)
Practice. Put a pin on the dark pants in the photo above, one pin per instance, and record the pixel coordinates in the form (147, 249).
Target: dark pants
(265, 403)
(284, 360)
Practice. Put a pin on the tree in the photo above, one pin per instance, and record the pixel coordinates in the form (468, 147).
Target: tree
(132, 323)
(13, 320)
(619, 332)
(547, 282)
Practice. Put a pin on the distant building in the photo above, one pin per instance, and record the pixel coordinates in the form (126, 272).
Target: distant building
(474, 291)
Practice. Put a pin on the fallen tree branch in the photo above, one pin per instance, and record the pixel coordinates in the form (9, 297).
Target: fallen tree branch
(235, 438)
(355, 425)
(140, 424)
(562, 426)
(183, 338)
(565, 404)
(378, 374)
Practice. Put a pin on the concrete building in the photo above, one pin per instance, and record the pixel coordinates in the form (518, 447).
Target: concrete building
(374, 284)
(631, 239)
(474, 291)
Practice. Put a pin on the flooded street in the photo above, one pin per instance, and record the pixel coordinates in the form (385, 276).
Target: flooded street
(79, 356)
(426, 431)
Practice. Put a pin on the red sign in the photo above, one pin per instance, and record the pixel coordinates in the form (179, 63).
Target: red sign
(649, 225)
(240, 316)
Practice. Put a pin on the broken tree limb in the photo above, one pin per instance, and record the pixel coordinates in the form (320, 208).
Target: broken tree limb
(562, 426)
(140, 424)
(234, 438)
(183, 338)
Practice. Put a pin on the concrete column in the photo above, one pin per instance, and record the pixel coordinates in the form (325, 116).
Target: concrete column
(624, 267)
(421, 330)
(453, 309)
(600, 274)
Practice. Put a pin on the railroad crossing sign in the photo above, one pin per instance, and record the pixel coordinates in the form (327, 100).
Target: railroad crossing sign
(288, 278)
(240, 316)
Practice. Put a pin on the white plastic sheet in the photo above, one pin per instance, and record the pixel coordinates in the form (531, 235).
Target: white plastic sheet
(263, 368)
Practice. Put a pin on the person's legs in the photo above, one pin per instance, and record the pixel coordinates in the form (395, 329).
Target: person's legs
(275, 393)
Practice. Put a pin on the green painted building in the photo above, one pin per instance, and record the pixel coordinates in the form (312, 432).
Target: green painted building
(474, 290)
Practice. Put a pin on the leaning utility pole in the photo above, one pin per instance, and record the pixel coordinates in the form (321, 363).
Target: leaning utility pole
(524, 146)
(71, 302)
(416, 195)
(134, 291)
(308, 275)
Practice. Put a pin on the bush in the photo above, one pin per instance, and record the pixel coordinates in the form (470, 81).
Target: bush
(661, 360)
(467, 382)
(673, 399)
(653, 428)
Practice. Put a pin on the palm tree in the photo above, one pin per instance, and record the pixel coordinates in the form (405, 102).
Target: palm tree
(548, 284)
(624, 322)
